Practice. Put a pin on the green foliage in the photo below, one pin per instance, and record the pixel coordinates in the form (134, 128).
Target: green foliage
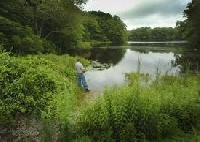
(42, 85)
(92, 30)
(26, 86)
(100, 27)
(181, 29)
(155, 34)
(192, 13)
(21, 39)
(189, 62)
(50, 130)
(83, 139)
(37, 26)
(63, 73)
(141, 112)
(54, 26)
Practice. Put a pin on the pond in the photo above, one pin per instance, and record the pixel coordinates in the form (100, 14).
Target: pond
(127, 59)
(132, 61)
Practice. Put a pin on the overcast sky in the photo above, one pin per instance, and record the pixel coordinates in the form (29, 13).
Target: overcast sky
(142, 13)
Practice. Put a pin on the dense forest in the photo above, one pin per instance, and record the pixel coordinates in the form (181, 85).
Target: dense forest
(29, 26)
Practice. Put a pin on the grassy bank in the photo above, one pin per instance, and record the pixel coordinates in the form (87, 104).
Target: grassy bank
(47, 105)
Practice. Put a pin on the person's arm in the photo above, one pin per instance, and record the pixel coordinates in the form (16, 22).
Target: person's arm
(82, 69)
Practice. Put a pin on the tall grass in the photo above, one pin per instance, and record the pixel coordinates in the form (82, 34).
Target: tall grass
(133, 113)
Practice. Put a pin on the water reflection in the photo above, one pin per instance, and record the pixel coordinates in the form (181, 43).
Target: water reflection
(107, 55)
(149, 63)
(156, 44)
(102, 55)
(189, 61)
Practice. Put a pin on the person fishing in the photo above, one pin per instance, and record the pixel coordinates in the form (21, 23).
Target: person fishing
(80, 70)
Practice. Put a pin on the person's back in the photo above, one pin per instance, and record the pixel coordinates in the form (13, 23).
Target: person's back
(79, 67)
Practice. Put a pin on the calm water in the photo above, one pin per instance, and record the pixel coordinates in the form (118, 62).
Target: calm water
(131, 61)
(151, 59)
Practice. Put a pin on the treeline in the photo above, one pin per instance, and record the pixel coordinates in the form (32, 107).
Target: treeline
(38, 26)
(189, 29)
(155, 34)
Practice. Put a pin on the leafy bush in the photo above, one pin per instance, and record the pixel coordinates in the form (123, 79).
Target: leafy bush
(40, 88)
(142, 112)
(26, 86)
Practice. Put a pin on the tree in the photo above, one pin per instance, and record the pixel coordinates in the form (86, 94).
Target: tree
(112, 28)
(140, 34)
(117, 32)
(192, 13)
(181, 30)
(59, 22)
(155, 34)
(19, 39)
(92, 30)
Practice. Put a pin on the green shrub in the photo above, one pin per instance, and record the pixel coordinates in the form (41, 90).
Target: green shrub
(26, 86)
(138, 112)
(39, 87)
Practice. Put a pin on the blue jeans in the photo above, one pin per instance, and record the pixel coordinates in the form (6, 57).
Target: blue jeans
(81, 81)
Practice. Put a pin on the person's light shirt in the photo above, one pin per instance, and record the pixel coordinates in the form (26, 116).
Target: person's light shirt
(79, 67)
